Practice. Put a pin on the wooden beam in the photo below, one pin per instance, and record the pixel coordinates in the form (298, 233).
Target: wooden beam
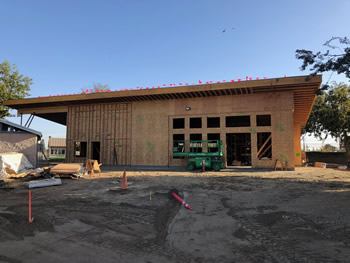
(267, 148)
(40, 110)
(264, 144)
(279, 84)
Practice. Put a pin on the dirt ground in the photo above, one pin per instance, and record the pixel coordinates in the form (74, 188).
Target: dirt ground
(241, 215)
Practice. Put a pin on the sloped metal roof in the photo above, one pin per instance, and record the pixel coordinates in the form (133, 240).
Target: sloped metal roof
(57, 142)
(21, 128)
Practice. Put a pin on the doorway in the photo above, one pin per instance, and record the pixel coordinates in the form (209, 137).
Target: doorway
(238, 146)
(95, 151)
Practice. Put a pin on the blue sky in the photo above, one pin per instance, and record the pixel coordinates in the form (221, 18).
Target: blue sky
(65, 46)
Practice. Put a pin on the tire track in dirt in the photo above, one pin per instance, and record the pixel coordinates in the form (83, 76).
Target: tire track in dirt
(118, 217)
(269, 243)
(15, 224)
(9, 260)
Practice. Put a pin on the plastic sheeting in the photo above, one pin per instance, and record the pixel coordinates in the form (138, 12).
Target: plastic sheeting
(15, 161)
(44, 183)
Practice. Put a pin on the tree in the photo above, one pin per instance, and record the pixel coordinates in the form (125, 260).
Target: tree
(96, 87)
(328, 148)
(327, 61)
(331, 110)
(12, 86)
(330, 115)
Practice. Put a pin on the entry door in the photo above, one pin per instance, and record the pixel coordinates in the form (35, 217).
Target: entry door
(95, 151)
(238, 147)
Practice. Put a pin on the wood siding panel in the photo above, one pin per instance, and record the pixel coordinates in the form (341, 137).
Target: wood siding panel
(108, 124)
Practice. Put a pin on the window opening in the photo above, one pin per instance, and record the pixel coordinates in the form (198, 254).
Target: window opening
(195, 123)
(178, 145)
(213, 122)
(179, 123)
(263, 120)
(196, 144)
(212, 146)
(238, 121)
(80, 149)
(238, 146)
(264, 141)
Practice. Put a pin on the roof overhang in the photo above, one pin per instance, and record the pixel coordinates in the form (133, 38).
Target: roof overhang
(55, 108)
(21, 128)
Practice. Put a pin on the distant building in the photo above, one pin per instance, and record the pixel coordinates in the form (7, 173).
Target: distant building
(19, 139)
(57, 147)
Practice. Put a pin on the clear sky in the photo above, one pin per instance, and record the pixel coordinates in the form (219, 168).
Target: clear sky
(65, 46)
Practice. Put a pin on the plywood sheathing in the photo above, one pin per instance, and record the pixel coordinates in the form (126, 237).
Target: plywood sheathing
(278, 105)
(150, 129)
(149, 121)
(149, 124)
(302, 86)
(109, 124)
(297, 144)
(66, 168)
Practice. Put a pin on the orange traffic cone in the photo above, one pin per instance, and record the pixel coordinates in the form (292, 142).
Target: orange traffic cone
(124, 181)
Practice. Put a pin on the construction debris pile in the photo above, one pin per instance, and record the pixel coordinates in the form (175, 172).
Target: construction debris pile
(16, 165)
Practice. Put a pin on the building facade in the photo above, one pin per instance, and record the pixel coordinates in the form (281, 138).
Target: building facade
(57, 147)
(258, 121)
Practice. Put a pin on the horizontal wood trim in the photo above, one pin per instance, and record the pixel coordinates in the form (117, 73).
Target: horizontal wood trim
(39, 110)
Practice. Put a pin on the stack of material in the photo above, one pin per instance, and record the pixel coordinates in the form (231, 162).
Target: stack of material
(16, 165)
(32, 172)
(66, 168)
(320, 165)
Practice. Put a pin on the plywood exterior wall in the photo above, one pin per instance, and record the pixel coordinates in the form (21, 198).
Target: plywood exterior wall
(142, 132)
(109, 124)
(297, 144)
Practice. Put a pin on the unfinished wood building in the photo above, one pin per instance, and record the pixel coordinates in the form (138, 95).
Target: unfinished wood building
(258, 121)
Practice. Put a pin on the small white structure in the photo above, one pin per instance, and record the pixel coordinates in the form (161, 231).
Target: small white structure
(15, 161)
(19, 139)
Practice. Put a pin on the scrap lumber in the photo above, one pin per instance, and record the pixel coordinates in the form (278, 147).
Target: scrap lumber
(262, 154)
(20, 175)
(10, 171)
(32, 172)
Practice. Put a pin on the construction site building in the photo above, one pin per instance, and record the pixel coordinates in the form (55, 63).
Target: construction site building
(258, 121)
